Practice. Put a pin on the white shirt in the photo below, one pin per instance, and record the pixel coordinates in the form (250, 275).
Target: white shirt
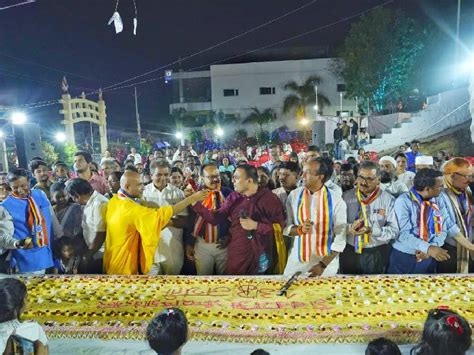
(93, 218)
(339, 215)
(170, 195)
(29, 330)
(395, 188)
(407, 178)
(282, 195)
(137, 158)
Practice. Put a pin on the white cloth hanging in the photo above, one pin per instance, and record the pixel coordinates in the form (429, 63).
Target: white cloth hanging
(117, 20)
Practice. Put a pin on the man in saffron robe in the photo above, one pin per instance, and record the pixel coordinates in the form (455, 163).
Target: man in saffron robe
(133, 230)
(255, 215)
(317, 218)
(31, 214)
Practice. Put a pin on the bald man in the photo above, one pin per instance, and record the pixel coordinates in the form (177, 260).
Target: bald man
(133, 230)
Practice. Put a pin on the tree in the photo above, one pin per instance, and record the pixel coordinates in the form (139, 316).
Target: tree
(379, 56)
(50, 155)
(303, 96)
(260, 118)
(69, 150)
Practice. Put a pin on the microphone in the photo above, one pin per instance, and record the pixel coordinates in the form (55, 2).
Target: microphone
(243, 214)
(288, 284)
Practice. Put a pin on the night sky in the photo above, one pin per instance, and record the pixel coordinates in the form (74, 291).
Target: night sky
(41, 42)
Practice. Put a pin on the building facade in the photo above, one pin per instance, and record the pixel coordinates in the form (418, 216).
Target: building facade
(232, 90)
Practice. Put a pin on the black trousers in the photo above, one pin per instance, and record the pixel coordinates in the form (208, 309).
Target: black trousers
(449, 266)
(371, 261)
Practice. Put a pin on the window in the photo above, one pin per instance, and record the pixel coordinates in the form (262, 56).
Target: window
(231, 92)
(267, 91)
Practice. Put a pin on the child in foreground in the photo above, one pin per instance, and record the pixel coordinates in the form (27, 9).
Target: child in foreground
(168, 332)
(445, 332)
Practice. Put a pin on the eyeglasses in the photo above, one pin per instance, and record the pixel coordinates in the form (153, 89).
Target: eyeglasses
(212, 177)
(467, 177)
(367, 179)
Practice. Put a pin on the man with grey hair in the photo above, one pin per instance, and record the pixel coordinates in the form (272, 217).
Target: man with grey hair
(169, 256)
(388, 177)
(371, 224)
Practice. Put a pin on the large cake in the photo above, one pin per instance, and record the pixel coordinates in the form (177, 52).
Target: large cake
(247, 309)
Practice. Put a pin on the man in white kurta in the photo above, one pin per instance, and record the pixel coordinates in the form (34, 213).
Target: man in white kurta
(169, 255)
(315, 173)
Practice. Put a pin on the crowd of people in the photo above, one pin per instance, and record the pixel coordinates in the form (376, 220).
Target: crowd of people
(221, 212)
(225, 212)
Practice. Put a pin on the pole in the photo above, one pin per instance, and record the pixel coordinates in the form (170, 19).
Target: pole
(317, 104)
(340, 102)
(3, 149)
(357, 108)
(92, 136)
(137, 115)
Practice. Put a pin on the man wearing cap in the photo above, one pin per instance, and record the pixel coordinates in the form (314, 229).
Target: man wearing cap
(411, 155)
(388, 177)
(457, 199)
(424, 162)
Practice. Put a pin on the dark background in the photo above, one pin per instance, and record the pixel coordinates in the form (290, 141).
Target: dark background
(41, 42)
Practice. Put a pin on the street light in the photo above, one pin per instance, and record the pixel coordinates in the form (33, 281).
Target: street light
(304, 121)
(179, 135)
(60, 137)
(316, 93)
(18, 118)
(219, 132)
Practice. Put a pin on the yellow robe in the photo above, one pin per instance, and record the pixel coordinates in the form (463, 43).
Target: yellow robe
(133, 233)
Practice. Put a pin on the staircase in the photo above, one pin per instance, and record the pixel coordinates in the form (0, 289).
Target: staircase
(444, 111)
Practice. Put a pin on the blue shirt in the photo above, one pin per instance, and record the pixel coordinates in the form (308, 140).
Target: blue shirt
(35, 259)
(408, 217)
(411, 157)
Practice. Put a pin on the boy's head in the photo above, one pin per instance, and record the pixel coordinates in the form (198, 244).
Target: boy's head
(168, 331)
(382, 346)
(67, 248)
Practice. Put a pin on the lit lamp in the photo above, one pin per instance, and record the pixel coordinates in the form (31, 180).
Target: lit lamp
(180, 136)
(304, 121)
(60, 137)
(219, 132)
(18, 118)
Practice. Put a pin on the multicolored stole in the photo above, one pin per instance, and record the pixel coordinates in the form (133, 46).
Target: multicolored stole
(461, 203)
(35, 221)
(213, 201)
(323, 224)
(123, 195)
(360, 240)
(430, 216)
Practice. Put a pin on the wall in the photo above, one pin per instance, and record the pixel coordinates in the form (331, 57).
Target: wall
(249, 77)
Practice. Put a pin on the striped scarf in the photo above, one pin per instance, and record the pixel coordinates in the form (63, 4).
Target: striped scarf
(323, 228)
(464, 199)
(213, 201)
(430, 216)
(36, 221)
(360, 240)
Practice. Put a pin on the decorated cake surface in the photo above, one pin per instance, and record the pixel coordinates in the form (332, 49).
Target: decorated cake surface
(247, 309)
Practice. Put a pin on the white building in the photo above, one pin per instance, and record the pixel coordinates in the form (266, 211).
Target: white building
(233, 89)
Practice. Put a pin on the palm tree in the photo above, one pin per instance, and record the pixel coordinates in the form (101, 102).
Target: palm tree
(260, 118)
(303, 96)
